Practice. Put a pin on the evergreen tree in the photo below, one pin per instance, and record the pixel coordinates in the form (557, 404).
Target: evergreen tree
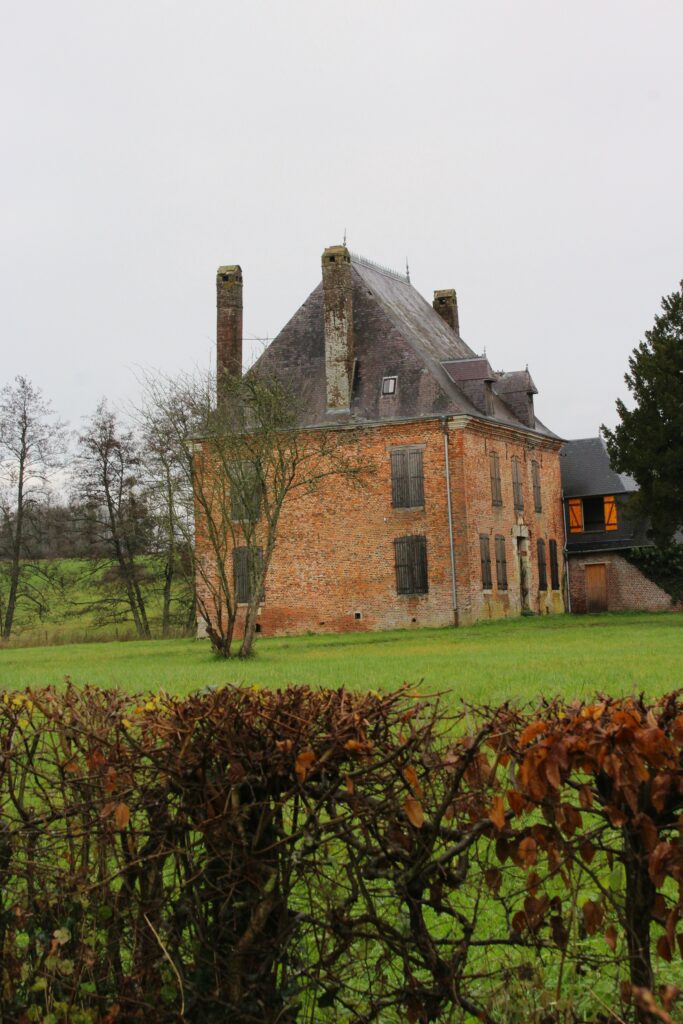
(648, 442)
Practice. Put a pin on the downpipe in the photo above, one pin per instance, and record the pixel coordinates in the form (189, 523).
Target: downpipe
(454, 589)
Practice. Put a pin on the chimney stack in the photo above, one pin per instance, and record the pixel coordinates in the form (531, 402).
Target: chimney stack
(339, 342)
(229, 323)
(446, 304)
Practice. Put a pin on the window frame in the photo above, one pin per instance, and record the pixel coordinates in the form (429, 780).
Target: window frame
(496, 483)
(392, 381)
(485, 560)
(411, 565)
(407, 477)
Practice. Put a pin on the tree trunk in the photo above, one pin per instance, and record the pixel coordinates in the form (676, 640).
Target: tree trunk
(639, 905)
(166, 606)
(15, 567)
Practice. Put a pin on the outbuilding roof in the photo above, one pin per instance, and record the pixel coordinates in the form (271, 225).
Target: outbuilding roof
(586, 470)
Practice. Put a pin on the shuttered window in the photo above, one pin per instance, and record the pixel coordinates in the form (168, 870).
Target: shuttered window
(611, 520)
(241, 565)
(485, 554)
(554, 567)
(501, 564)
(536, 480)
(245, 492)
(496, 490)
(542, 571)
(407, 479)
(517, 488)
(410, 554)
(575, 515)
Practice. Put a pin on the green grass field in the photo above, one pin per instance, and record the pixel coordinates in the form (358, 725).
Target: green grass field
(490, 662)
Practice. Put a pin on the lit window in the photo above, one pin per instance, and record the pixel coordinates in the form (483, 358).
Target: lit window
(389, 385)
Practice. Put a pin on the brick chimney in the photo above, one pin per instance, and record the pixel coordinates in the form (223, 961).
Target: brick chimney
(339, 342)
(446, 304)
(229, 322)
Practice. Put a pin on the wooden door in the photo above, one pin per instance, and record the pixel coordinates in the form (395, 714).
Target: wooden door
(596, 588)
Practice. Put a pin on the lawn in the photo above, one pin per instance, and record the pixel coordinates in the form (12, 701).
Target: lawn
(489, 662)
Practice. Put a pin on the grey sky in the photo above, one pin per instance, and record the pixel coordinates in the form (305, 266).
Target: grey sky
(529, 154)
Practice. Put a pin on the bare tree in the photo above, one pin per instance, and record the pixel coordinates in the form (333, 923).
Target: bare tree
(171, 412)
(251, 458)
(110, 493)
(32, 446)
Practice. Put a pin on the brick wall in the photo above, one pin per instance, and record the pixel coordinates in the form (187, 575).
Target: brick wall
(334, 557)
(627, 588)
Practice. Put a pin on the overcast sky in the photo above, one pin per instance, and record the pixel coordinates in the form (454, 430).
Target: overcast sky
(529, 154)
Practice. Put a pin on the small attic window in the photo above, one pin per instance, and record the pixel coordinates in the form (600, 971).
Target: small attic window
(389, 385)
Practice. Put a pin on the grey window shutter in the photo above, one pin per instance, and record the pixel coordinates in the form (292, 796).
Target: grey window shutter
(402, 559)
(542, 573)
(501, 564)
(485, 553)
(421, 578)
(399, 480)
(416, 479)
(240, 566)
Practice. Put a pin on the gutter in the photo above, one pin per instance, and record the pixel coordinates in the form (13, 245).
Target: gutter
(454, 590)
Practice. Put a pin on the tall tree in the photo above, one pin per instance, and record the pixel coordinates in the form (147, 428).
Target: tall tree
(250, 458)
(32, 446)
(109, 490)
(648, 440)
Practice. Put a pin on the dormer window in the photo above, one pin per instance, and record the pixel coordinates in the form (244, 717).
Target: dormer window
(389, 385)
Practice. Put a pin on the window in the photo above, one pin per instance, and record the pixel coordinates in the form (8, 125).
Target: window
(517, 488)
(554, 567)
(411, 565)
(536, 480)
(593, 515)
(542, 572)
(241, 574)
(501, 564)
(245, 492)
(485, 554)
(389, 385)
(407, 480)
(496, 491)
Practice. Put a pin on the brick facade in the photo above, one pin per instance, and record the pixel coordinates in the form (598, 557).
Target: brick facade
(333, 569)
(627, 588)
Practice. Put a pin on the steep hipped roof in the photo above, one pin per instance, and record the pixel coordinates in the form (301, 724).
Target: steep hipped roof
(398, 334)
(586, 470)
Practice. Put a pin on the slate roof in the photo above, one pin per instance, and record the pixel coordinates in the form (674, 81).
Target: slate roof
(397, 333)
(586, 470)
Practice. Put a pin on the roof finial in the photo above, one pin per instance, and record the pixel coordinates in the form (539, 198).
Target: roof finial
(344, 236)
(407, 271)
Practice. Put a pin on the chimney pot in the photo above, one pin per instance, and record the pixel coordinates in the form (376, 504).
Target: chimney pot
(446, 305)
(339, 340)
(229, 323)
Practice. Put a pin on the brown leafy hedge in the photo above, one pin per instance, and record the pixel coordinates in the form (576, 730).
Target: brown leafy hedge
(253, 856)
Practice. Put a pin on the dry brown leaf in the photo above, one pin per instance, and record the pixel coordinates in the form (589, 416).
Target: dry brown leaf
(121, 815)
(414, 812)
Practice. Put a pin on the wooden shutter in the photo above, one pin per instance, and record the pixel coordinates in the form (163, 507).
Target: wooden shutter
(399, 480)
(610, 505)
(485, 554)
(517, 489)
(501, 564)
(240, 571)
(245, 493)
(542, 571)
(554, 567)
(575, 515)
(407, 478)
(415, 478)
(419, 560)
(494, 463)
(402, 561)
(536, 478)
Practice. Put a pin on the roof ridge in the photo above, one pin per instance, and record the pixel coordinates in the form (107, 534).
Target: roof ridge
(387, 271)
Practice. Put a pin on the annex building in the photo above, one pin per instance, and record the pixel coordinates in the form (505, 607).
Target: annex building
(461, 517)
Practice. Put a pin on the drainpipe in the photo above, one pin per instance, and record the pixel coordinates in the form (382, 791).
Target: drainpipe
(566, 557)
(454, 590)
